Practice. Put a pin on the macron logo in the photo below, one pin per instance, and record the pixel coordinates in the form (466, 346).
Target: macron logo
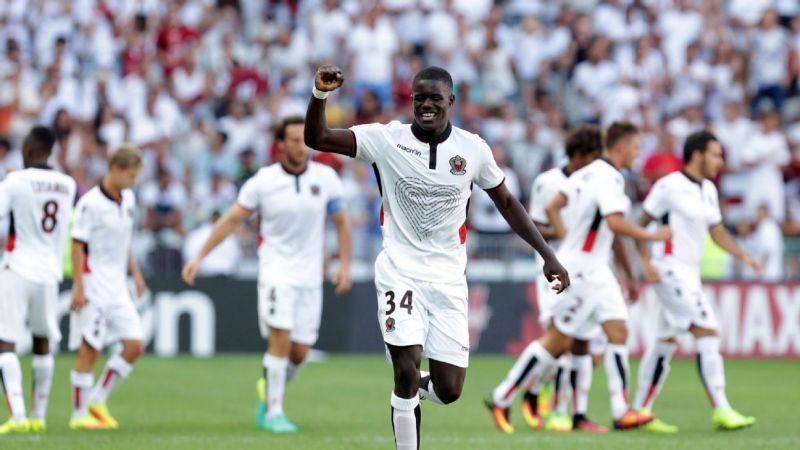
(409, 150)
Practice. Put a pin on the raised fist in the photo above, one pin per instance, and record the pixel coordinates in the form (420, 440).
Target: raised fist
(328, 78)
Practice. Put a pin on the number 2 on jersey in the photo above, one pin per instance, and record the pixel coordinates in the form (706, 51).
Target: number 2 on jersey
(405, 302)
(49, 220)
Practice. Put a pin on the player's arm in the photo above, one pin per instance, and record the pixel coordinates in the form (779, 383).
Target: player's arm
(650, 273)
(138, 279)
(724, 239)
(317, 135)
(623, 261)
(344, 237)
(620, 225)
(553, 211)
(546, 230)
(516, 216)
(78, 261)
(223, 227)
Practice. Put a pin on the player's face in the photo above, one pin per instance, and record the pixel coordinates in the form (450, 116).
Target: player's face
(432, 101)
(631, 150)
(125, 178)
(712, 160)
(293, 146)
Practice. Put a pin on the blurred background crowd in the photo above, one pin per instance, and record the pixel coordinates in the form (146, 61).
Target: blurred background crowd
(198, 85)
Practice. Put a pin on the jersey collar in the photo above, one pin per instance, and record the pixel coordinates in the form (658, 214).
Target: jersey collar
(691, 178)
(427, 136)
(43, 166)
(108, 194)
(286, 169)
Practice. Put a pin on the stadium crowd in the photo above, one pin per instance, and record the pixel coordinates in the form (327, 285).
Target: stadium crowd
(198, 84)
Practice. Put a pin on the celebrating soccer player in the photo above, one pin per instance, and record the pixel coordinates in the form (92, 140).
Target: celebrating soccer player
(689, 203)
(425, 171)
(38, 201)
(103, 309)
(293, 198)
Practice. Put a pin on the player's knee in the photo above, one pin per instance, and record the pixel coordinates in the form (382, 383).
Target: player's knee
(298, 356)
(617, 335)
(132, 350)
(406, 378)
(448, 393)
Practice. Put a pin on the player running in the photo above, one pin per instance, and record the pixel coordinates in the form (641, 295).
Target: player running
(293, 198)
(583, 145)
(425, 171)
(689, 203)
(103, 311)
(38, 201)
(597, 208)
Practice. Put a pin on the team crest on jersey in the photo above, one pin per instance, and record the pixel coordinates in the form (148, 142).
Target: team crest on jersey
(389, 325)
(458, 165)
(314, 189)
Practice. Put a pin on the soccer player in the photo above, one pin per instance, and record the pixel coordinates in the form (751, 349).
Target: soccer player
(425, 171)
(38, 201)
(689, 203)
(597, 208)
(583, 145)
(293, 197)
(102, 308)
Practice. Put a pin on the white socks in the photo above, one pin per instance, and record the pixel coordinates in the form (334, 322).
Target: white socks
(406, 418)
(616, 365)
(43, 367)
(116, 370)
(712, 370)
(275, 368)
(533, 364)
(653, 372)
(81, 385)
(581, 379)
(11, 379)
(562, 386)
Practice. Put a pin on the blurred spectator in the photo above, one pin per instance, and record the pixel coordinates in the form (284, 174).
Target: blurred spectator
(593, 78)
(10, 159)
(164, 200)
(223, 260)
(766, 244)
(214, 158)
(765, 155)
(661, 162)
(372, 44)
(247, 167)
(733, 131)
(213, 196)
(770, 57)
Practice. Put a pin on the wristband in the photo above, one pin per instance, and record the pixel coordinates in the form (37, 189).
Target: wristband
(322, 95)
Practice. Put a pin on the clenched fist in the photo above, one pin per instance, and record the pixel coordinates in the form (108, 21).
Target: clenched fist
(328, 78)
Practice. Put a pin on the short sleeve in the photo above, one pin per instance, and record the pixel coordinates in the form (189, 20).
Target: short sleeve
(368, 140)
(489, 175)
(610, 195)
(82, 224)
(714, 214)
(538, 202)
(656, 203)
(248, 194)
(335, 192)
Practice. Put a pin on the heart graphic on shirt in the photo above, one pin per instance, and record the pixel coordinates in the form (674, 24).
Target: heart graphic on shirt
(426, 205)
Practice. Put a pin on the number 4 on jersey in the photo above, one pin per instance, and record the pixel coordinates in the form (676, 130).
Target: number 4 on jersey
(407, 302)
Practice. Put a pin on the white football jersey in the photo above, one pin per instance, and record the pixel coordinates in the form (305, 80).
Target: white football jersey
(106, 226)
(593, 192)
(425, 190)
(690, 208)
(38, 202)
(545, 187)
(293, 209)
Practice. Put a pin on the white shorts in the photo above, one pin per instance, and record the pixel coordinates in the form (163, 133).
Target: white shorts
(27, 302)
(103, 321)
(593, 298)
(682, 301)
(415, 312)
(546, 299)
(294, 308)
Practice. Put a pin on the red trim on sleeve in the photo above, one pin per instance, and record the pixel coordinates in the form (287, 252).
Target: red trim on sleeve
(11, 242)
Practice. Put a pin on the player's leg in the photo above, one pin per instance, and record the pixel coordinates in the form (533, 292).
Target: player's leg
(581, 380)
(82, 378)
(305, 331)
(43, 322)
(277, 305)
(534, 365)
(711, 368)
(617, 372)
(406, 412)
(13, 310)
(297, 359)
(117, 369)
(563, 390)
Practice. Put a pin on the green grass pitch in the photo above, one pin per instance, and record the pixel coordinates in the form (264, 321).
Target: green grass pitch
(343, 403)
